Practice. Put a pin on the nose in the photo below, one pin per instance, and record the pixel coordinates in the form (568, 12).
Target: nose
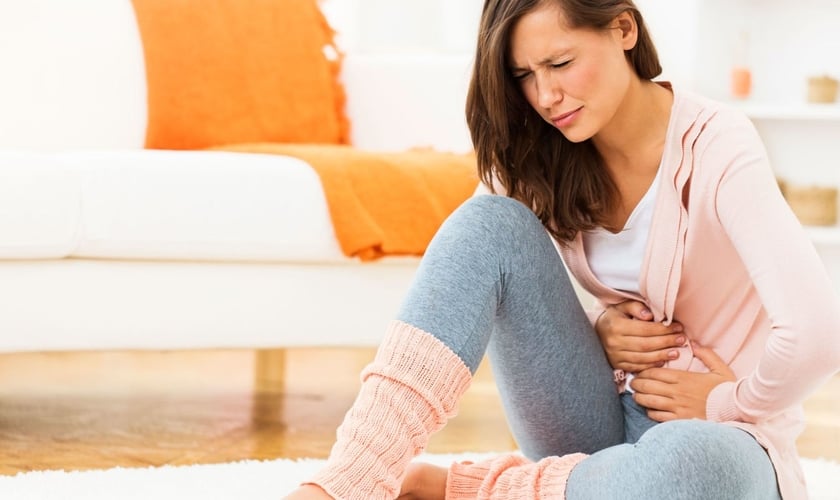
(547, 92)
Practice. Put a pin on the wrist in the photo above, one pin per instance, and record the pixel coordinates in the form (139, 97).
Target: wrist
(596, 317)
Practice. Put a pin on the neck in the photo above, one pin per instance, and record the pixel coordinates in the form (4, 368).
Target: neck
(636, 134)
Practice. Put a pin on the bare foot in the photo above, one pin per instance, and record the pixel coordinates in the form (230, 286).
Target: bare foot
(424, 482)
(308, 492)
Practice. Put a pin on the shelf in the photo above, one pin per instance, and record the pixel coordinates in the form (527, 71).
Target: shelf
(792, 111)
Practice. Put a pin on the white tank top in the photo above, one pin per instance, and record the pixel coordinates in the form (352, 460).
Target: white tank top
(616, 258)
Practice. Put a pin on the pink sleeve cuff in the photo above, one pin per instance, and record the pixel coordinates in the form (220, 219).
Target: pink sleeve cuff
(720, 404)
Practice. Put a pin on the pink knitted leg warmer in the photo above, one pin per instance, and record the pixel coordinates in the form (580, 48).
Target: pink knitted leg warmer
(511, 477)
(408, 392)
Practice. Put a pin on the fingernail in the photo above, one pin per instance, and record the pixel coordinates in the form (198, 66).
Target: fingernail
(646, 312)
(678, 328)
(681, 340)
(673, 354)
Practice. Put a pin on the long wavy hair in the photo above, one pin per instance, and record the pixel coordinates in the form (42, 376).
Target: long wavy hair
(566, 184)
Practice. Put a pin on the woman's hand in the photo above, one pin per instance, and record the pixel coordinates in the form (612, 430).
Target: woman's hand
(308, 492)
(424, 482)
(633, 341)
(676, 394)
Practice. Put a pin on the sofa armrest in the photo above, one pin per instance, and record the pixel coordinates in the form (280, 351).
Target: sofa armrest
(401, 101)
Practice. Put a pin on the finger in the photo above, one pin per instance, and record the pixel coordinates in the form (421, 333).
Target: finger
(661, 416)
(634, 342)
(652, 387)
(710, 358)
(649, 359)
(664, 375)
(634, 368)
(655, 343)
(630, 328)
(654, 329)
(635, 309)
(654, 402)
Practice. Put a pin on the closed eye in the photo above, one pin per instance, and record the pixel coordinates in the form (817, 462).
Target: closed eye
(560, 65)
(521, 76)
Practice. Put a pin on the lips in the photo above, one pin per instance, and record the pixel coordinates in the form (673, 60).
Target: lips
(566, 118)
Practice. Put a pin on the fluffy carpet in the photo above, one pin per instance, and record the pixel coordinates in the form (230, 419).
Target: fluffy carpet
(249, 479)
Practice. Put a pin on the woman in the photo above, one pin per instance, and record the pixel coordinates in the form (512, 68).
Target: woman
(715, 318)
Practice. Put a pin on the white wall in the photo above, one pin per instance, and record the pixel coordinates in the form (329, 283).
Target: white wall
(405, 26)
(423, 49)
(675, 36)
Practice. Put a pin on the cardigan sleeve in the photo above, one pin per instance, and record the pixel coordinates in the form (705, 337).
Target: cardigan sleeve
(803, 349)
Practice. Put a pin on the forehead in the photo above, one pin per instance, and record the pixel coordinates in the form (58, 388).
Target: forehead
(543, 33)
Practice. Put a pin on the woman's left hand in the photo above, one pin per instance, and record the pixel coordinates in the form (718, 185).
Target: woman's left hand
(677, 394)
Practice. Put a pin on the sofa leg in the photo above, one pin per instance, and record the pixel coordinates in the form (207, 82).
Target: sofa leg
(269, 370)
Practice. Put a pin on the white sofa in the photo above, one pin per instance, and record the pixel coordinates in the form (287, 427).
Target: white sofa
(105, 245)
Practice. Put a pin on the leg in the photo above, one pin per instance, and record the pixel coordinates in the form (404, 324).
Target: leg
(690, 459)
(636, 421)
(491, 271)
(492, 278)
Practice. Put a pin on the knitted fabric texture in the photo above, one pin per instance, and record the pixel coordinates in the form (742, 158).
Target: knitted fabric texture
(408, 392)
(511, 477)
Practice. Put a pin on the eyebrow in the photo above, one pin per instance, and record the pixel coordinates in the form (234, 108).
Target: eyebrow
(543, 62)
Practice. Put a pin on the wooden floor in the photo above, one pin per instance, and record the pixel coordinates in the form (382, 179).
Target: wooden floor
(97, 410)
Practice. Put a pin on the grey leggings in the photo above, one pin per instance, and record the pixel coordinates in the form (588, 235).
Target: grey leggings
(491, 281)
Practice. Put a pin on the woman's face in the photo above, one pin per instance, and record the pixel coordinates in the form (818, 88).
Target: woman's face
(576, 79)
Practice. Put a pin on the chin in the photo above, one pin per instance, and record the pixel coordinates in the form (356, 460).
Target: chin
(576, 136)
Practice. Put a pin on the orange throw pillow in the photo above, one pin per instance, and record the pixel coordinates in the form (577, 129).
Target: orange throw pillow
(233, 71)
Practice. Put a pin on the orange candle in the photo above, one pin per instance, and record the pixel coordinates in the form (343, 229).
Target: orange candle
(741, 82)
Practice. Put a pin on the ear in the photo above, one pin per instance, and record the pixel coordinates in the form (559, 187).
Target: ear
(626, 27)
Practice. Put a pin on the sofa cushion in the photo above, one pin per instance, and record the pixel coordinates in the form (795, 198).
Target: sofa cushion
(40, 206)
(233, 71)
(164, 205)
(189, 205)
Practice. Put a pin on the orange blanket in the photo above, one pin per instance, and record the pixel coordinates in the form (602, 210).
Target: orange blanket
(384, 203)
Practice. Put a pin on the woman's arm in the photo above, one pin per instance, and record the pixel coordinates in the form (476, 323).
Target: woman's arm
(803, 349)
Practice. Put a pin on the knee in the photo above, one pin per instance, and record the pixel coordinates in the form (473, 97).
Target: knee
(496, 214)
(679, 459)
(688, 436)
(715, 452)
(493, 229)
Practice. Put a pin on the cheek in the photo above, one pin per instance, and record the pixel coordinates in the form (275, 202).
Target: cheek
(583, 82)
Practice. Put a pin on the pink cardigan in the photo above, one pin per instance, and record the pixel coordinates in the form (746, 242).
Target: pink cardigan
(728, 259)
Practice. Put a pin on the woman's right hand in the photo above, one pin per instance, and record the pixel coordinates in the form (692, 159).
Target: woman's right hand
(633, 341)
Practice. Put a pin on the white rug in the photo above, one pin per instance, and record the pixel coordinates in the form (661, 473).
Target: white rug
(250, 480)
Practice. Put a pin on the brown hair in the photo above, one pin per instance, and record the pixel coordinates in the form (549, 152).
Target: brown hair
(565, 183)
